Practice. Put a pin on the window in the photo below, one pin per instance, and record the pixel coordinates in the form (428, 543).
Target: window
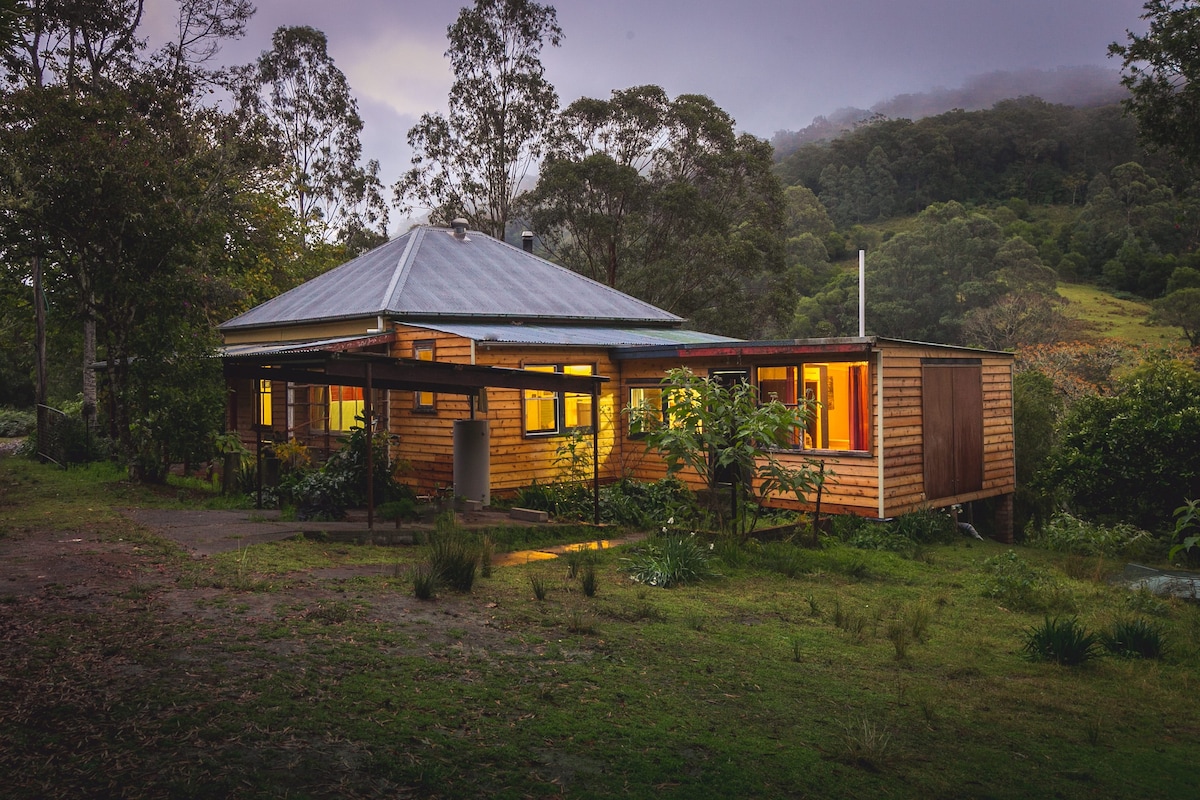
(548, 412)
(343, 404)
(646, 406)
(836, 394)
(423, 351)
(264, 399)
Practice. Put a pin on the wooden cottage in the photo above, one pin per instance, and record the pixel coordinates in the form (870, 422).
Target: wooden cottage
(445, 326)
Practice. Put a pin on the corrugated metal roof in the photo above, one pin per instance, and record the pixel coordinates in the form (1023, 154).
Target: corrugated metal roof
(578, 335)
(311, 345)
(429, 273)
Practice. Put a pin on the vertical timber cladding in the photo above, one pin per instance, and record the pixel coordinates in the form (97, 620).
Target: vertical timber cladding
(952, 413)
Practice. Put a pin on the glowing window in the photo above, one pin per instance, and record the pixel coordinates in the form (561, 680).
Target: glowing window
(264, 409)
(423, 351)
(549, 412)
(343, 406)
(835, 397)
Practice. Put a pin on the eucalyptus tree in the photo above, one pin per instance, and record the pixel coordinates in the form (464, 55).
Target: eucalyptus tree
(660, 198)
(473, 161)
(1162, 73)
(314, 122)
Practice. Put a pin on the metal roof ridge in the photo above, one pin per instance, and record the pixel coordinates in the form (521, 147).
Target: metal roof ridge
(403, 270)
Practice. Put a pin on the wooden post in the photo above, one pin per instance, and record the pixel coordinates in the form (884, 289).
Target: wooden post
(595, 453)
(368, 424)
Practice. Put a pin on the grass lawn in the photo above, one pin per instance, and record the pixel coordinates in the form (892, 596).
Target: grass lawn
(1109, 317)
(308, 669)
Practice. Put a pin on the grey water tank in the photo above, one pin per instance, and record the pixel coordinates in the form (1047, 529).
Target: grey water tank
(472, 460)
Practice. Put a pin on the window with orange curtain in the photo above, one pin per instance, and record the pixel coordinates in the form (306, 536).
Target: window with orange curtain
(834, 395)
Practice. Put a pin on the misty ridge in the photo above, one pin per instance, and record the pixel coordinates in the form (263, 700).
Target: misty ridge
(1080, 87)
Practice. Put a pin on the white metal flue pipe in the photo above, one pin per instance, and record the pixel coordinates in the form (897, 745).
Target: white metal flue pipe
(862, 293)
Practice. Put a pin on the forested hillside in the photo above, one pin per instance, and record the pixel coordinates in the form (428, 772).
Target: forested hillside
(1007, 201)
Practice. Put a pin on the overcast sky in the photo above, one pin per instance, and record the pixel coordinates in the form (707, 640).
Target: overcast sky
(772, 64)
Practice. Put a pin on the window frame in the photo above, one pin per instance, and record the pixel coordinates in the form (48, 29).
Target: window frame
(833, 404)
(559, 398)
(419, 347)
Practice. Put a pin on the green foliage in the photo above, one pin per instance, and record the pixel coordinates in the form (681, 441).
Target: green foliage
(312, 119)
(1180, 308)
(1019, 586)
(671, 561)
(713, 429)
(662, 199)
(1063, 641)
(1162, 75)
(588, 581)
(648, 506)
(1186, 517)
(540, 586)
(1064, 533)
(14, 423)
(1132, 455)
(471, 161)
(341, 482)
(1135, 638)
(563, 501)
(455, 559)
(1036, 411)
(424, 580)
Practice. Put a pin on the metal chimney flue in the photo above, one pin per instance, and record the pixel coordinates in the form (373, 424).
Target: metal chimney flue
(460, 227)
(527, 241)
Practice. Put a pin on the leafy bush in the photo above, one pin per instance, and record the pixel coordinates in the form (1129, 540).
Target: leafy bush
(1022, 587)
(648, 505)
(560, 500)
(1134, 638)
(905, 535)
(14, 423)
(1063, 641)
(341, 483)
(1067, 534)
(671, 561)
(1132, 455)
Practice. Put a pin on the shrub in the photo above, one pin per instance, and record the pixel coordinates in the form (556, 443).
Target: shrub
(648, 505)
(1134, 638)
(1067, 534)
(14, 423)
(1063, 641)
(673, 561)
(1021, 587)
(1132, 454)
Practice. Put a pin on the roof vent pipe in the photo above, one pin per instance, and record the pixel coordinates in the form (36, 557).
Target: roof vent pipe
(527, 241)
(460, 227)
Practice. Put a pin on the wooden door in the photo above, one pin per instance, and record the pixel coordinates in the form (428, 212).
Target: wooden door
(952, 422)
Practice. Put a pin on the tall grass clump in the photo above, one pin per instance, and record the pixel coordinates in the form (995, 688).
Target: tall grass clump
(1019, 586)
(671, 561)
(1063, 641)
(784, 558)
(454, 559)
(1134, 638)
(424, 581)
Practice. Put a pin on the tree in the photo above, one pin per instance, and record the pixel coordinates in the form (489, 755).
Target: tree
(1181, 308)
(661, 199)
(724, 430)
(1162, 74)
(922, 282)
(314, 121)
(473, 161)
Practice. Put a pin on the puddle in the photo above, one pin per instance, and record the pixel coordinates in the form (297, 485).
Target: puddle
(554, 551)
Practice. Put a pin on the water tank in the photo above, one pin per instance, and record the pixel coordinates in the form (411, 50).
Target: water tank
(472, 460)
